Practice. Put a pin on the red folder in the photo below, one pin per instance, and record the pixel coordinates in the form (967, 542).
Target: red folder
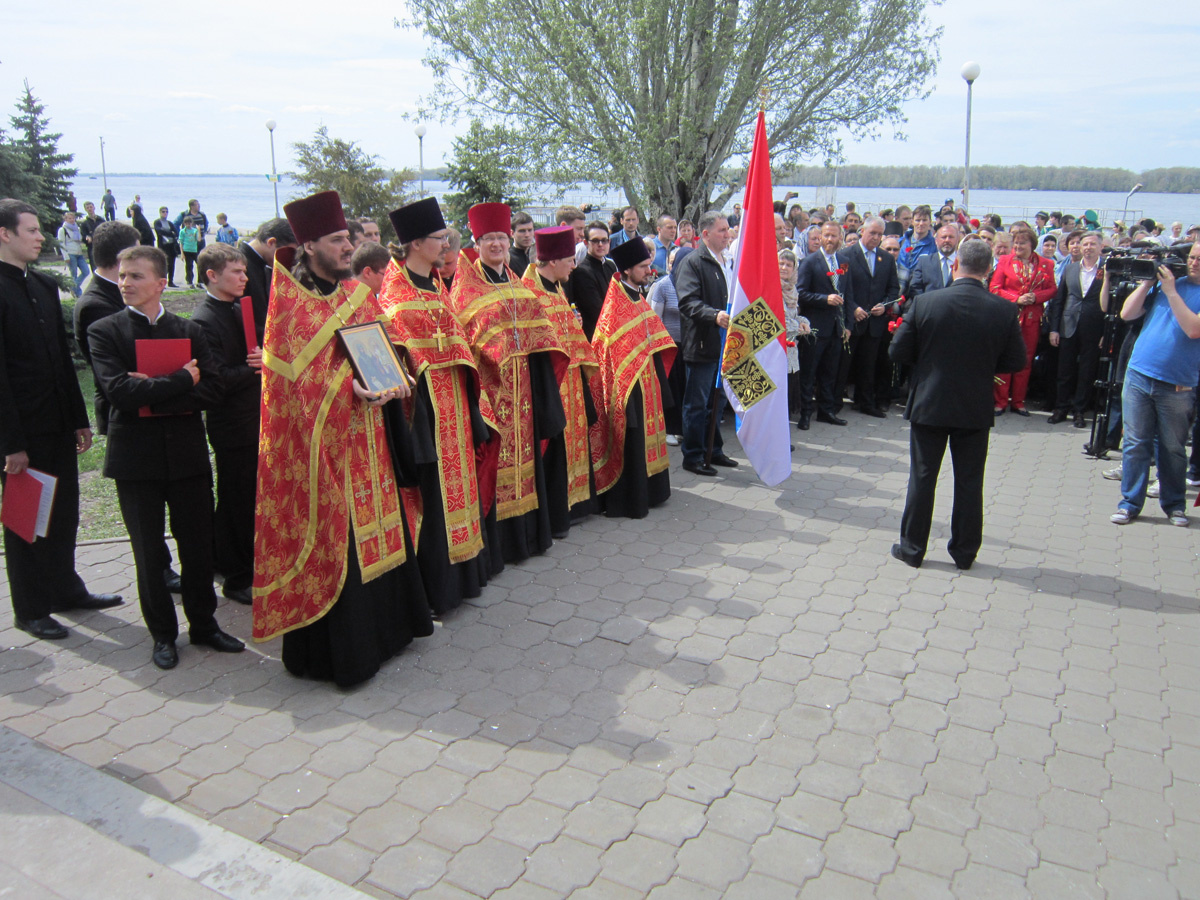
(28, 499)
(161, 357)
(248, 323)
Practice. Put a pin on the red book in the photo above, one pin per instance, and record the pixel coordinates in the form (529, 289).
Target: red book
(248, 323)
(161, 357)
(28, 499)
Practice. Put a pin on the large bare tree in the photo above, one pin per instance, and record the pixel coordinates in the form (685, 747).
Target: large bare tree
(657, 97)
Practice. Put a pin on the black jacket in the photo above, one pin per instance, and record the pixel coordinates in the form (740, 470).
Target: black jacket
(39, 393)
(813, 287)
(168, 236)
(519, 260)
(957, 340)
(142, 224)
(100, 300)
(163, 447)
(587, 287)
(233, 422)
(703, 292)
(1071, 307)
(258, 286)
(869, 290)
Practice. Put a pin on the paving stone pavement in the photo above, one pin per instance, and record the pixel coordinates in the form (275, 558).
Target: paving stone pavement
(741, 696)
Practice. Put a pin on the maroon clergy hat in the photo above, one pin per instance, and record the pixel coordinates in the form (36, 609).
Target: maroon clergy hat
(629, 254)
(314, 217)
(417, 220)
(555, 243)
(484, 218)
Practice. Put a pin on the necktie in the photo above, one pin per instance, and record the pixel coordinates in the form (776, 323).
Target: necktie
(945, 271)
(832, 271)
(871, 261)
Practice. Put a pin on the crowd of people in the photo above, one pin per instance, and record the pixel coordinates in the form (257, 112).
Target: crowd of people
(548, 372)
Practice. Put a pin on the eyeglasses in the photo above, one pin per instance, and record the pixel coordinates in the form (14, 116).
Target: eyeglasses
(599, 240)
(495, 238)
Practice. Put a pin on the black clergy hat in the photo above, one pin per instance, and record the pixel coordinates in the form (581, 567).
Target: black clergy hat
(417, 220)
(896, 228)
(629, 254)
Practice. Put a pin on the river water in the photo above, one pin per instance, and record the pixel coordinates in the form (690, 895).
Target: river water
(249, 200)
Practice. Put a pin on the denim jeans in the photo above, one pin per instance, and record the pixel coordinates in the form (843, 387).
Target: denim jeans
(1154, 409)
(697, 398)
(79, 270)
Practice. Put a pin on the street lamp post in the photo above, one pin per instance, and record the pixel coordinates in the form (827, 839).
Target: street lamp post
(274, 177)
(970, 71)
(103, 167)
(420, 132)
(1124, 212)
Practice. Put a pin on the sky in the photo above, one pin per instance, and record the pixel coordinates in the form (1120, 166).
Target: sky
(188, 88)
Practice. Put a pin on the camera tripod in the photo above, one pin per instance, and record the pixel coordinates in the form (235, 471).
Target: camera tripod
(1106, 384)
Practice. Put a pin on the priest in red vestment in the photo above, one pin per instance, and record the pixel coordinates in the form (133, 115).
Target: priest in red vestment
(333, 530)
(635, 354)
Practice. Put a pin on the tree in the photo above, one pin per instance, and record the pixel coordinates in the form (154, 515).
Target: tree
(484, 160)
(45, 177)
(657, 99)
(366, 188)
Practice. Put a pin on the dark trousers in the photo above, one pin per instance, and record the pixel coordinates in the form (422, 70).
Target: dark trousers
(968, 453)
(143, 504)
(233, 522)
(862, 369)
(1078, 360)
(41, 575)
(189, 266)
(818, 373)
(698, 411)
(172, 255)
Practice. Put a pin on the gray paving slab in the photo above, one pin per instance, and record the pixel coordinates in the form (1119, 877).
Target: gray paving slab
(741, 695)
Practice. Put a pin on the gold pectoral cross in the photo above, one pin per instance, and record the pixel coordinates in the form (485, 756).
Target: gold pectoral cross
(440, 337)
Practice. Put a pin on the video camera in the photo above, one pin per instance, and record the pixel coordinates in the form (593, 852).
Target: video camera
(1141, 263)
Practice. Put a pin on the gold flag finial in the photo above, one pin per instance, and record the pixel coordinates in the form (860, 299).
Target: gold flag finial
(763, 95)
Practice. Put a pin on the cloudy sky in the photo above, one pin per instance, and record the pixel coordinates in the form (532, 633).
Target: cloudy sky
(187, 87)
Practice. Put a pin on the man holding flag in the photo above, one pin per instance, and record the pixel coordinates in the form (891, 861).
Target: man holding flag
(754, 362)
(703, 286)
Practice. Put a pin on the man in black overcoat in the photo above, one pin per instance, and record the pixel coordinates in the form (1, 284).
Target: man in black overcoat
(875, 284)
(826, 299)
(159, 460)
(43, 425)
(957, 340)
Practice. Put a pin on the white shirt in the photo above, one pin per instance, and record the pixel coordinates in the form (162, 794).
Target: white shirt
(1087, 276)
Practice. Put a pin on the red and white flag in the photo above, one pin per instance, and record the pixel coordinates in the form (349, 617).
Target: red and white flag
(754, 367)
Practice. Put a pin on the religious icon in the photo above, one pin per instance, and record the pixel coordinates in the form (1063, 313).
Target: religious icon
(371, 355)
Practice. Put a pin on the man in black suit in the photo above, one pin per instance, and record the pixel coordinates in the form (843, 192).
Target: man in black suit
(43, 425)
(160, 460)
(233, 423)
(588, 284)
(272, 235)
(956, 339)
(826, 300)
(935, 271)
(875, 284)
(1076, 321)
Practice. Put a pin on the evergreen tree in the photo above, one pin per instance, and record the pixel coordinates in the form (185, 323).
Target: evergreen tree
(482, 170)
(365, 187)
(37, 148)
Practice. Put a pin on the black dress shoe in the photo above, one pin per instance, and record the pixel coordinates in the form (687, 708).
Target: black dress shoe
(165, 656)
(219, 641)
(239, 595)
(1080, 420)
(720, 459)
(1023, 412)
(1059, 415)
(899, 554)
(173, 582)
(804, 424)
(700, 468)
(45, 628)
(873, 411)
(90, 601)
(963, 564)
(830, 420)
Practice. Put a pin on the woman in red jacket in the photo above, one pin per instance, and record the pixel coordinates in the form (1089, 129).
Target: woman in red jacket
(1028, 281)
